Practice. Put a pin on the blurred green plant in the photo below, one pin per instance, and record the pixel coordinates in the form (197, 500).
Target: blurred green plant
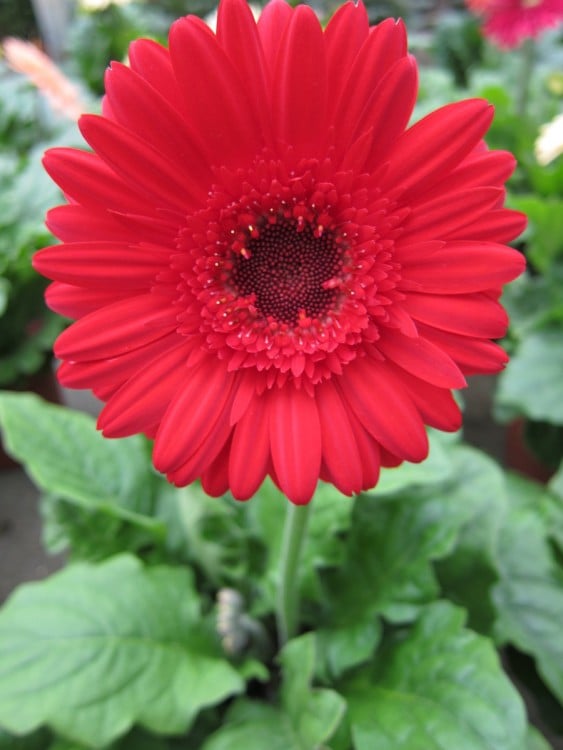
(27, 327)
(407, 594)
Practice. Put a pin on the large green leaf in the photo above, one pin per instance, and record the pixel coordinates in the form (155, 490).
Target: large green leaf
(391, 550)
(330, 517)
(306, 718)
(95, 649)
(534, 301)
(441, 687)
(546, 228)
(436, 468)
(66, 457)
(532, 385)
(536, 741)
(529, 595)
(212, 534)
(36, 741)
(467, 575)
(390, 547)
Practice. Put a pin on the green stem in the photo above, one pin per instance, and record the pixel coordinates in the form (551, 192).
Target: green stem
(528, 61)
(293, 536)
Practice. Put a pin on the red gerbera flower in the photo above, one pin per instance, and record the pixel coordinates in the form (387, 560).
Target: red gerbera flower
(271, 276)
(508, 22)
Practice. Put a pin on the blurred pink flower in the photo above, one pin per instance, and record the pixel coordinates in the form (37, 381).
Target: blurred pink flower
(26, 58)
(508, 22)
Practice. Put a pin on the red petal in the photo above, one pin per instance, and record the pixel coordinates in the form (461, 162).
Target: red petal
(390, 108)
(143, 399)
(384, 407)
(75, 302)
(238, 35)
(480, 168)
(436, 218)
(462, 267)
(434, 145)
(474, 356)
(250, 451)
(502, 225)
(295, 437)
(214, 96)
(345, 33)
(152, 62)
(110, 374)
(192, 414)
(272, 24)
(340, 452)
(143, 110)
(469, 315)
(139, 163)
(421, 358)
(87, 180)
(368, 452)
(246, 391)
(215, 479)
(72, 223)
(206, 452)
(385, 45)
(437, 406)
(117, 328)
(300, 87)
(105, 266)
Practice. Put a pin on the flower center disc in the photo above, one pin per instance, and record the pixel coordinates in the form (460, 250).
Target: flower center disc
(288, 268)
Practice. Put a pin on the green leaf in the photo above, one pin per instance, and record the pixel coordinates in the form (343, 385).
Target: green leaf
(253, 726)
(66, 457)
(95, 649)
(391, 550)
(534, 301)
(348, 642)
(139, 740)
(36, 741)
(554, 507)
(211, 534)
(390, 547)
(536, 741)
(529, 595)
(441, 687)
(532, 385)
(467, 575)
(61, 744)
(436, 468)
(307, 717)
(314, 713)
(546, 228)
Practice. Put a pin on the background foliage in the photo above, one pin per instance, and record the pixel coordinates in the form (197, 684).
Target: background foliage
(430, 608)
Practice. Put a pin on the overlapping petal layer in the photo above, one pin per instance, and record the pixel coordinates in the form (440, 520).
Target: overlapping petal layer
(271, 274)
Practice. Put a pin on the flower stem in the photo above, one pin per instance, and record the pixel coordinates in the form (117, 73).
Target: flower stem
(288, 591)
(528, 61)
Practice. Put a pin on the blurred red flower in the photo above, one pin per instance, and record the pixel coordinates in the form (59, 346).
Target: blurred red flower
(508, 22)
(271, 275)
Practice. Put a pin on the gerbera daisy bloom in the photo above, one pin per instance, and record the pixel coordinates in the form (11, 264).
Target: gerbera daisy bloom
(271, 274)
(508, 22)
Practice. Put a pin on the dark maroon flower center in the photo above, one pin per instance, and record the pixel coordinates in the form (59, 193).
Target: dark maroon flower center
(288, 267)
